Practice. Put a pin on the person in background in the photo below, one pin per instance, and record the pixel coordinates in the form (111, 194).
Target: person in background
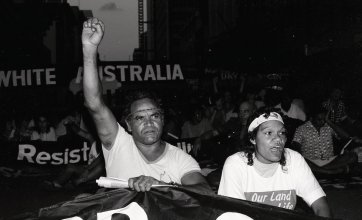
(314, 138)
(218, 117)
(173, 123)
(140, 157)
(229, 106)
(266, 170)
(208, 104)
(233, 134)
(335, 105)
(25, 128)
(253, 98)
(227, 102)
(9, 130)
(197, 125)
(291, 107)
(339, 114)
(73, 124)
(43, 130)
(253, 93)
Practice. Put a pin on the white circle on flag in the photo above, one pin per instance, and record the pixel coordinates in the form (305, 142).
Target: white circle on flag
(233, 216)
(133, 211)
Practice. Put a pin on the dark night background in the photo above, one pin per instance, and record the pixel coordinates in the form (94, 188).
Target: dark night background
(308, 46)
(309, 43)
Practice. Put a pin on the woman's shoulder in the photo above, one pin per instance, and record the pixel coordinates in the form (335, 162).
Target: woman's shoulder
(291, 152)
(239, 157)
(291, 156)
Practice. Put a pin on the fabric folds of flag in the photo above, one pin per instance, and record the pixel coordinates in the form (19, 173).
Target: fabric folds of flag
(176, 203)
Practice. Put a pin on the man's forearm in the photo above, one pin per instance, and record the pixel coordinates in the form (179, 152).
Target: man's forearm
(91, 83)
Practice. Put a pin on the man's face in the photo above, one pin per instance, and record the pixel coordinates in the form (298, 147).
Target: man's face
(145, 122)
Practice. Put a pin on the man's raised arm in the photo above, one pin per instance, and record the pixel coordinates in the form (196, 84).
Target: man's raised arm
(93, 30)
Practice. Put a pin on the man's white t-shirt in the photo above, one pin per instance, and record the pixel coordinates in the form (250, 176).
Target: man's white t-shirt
(241, 181)
(125, 161)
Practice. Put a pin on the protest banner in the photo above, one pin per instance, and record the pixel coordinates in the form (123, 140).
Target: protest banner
(161, 203)
(43, 153)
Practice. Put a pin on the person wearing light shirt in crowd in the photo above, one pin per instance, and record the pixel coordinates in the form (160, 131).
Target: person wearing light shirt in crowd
(197, 124)
(267, 170)
(43, 130)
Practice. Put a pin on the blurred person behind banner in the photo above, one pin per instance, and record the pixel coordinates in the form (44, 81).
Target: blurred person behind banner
(25, 127)
(9, 130)
(43, 131)
(227, 139)
(141, 157)
(197, 124)
(267, 172)
(74, 124)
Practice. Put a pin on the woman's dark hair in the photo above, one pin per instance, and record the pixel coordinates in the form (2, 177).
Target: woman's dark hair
(135, 95)
(249, 149)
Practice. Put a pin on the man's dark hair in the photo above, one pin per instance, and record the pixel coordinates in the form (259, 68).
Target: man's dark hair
(250, 149)
(135, 95)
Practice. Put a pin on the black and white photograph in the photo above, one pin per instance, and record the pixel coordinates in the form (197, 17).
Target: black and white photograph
(180, 109)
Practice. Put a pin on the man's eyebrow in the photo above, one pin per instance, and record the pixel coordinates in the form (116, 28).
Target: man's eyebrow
(145, 110)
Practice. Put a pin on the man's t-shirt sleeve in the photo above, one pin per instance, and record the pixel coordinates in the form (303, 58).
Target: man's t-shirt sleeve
(122, 140)
(186, 163)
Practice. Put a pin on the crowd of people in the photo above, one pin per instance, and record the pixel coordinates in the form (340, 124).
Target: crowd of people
(44, 127)
(266, 141)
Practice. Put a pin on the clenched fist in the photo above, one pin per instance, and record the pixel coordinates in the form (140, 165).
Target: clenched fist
(93, 31)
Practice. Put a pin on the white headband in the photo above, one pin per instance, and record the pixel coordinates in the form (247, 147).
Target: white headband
(262, 118)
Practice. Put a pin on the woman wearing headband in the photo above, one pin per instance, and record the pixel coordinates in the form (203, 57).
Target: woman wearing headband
(268, 173)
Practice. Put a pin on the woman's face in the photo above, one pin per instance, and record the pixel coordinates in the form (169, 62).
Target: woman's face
(269, 142)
